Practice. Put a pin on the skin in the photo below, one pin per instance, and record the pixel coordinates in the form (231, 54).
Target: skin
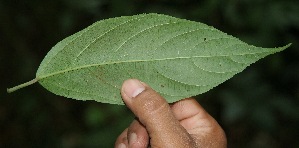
(182, 124)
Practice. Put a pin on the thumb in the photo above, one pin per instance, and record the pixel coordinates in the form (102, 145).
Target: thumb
(155, 114)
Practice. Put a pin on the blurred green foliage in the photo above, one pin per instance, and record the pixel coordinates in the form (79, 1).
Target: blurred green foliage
(257, 108)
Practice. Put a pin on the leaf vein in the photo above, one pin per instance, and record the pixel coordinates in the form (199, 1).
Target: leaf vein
(69, 43)
(183, 34)
(175, 80)
(118, 62)
(105, 34)
(151, 27)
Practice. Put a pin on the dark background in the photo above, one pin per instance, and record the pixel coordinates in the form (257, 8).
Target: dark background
(257, 108)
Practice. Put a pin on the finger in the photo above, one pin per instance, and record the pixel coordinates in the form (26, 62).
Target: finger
(199, 123)
(155, 114)
(122, 140)
(138, 136)
(186, 108)
(190, 109)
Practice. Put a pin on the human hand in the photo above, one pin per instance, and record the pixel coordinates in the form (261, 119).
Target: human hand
(182, 124)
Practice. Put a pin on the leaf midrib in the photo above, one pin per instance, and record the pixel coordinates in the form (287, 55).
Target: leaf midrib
(131, 61)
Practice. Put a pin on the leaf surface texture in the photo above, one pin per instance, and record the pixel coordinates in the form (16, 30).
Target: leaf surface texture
(176, 57)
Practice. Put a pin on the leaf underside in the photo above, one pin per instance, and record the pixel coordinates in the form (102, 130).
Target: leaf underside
(176, 57)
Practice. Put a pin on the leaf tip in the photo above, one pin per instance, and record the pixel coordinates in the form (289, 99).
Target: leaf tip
(286, 46)
(278, 49)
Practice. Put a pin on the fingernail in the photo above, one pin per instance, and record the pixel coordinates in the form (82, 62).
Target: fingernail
(121, 145)
(132, 138)
(133, 87)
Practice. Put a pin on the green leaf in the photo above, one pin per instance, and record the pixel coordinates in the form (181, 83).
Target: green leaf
(176, 57)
